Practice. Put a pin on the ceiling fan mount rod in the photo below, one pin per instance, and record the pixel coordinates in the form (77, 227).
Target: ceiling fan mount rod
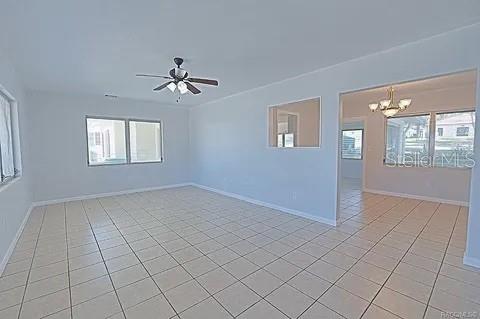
(178, 61)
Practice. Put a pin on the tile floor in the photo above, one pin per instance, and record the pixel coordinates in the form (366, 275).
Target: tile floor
(188, 253)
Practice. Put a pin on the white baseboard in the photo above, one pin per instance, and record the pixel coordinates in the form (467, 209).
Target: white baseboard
(419, 197)
(471, 261)
(13, 243)
(90, 196)
(269, 205)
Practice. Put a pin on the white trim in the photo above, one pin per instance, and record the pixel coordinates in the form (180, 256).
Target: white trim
(4, 186)
(13, 243)
(128, 191)
(419, 197)
(471, 261)
(269, 205)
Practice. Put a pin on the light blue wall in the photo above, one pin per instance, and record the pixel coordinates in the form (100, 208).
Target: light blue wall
(229, 136)
(229, 148)
(60, 150)
(472, 252)
(16, 198)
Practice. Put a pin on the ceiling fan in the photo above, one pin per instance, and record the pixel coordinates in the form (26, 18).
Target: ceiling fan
(179, 80)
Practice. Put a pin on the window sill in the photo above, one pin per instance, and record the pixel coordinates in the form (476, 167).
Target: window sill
(125, 164)
(5, 185)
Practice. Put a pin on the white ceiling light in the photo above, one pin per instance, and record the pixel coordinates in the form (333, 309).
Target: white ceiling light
(172, 86)
(388, 106)
(182, 87)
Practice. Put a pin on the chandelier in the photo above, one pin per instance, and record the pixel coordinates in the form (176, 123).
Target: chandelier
(389, 107)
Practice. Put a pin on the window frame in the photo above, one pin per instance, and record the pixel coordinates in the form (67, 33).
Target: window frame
(127, 139)
(268, 130)
(129, 154)
(16, 156)
(462, 135)
(363, 140)
(432, 131)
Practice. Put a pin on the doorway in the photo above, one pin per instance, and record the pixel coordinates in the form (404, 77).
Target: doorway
(423, 152)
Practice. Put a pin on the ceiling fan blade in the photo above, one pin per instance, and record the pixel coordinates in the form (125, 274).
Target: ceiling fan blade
(164, 85)
(153, 76)
(192, 88)
(203, 81)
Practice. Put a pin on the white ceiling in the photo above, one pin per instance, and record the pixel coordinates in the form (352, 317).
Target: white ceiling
(96, 47)
(404, 90)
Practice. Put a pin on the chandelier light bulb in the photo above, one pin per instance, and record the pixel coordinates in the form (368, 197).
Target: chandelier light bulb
(373, 106)
(403, 104)
(390, 112)
(385, 103)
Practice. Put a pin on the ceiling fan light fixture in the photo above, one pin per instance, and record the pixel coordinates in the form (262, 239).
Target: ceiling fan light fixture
(179, 79)
(172, 86)
(180, 73)
(182, 87)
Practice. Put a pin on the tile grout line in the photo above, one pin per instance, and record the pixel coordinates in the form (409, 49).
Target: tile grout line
(306, 225)
(287, 253)
(103, 259)
(240, 256)
(331, 249)
(33, 258)
(400, 260)
(368, 250)
(441, 264)
(384, 198)
(140, 261)
(68, 261)
(181, 265)
(318, 259)
(182, 214)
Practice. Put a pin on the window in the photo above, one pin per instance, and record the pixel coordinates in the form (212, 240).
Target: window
(145, 142)
(295, 124)
(409, 141)
(462, 131)
(287, 124)
(286, 140)
(8, 168)
(106, 141)
(454, 148)
(119, 141)
(352, 144)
